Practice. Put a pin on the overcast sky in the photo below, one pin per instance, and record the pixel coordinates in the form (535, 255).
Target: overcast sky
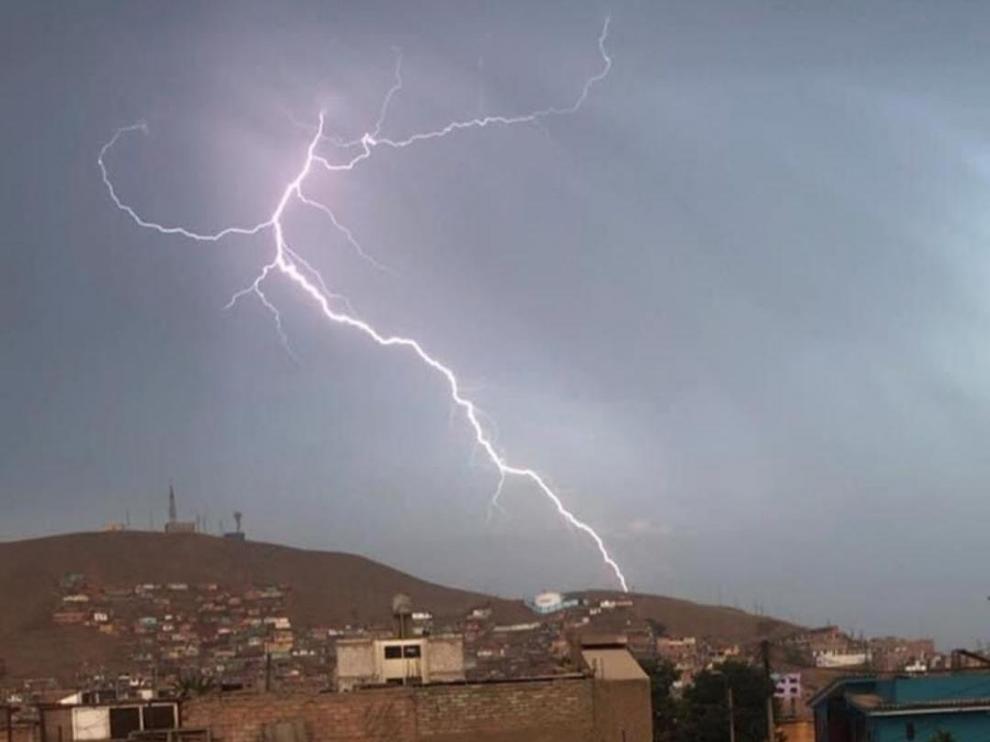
(735, 308)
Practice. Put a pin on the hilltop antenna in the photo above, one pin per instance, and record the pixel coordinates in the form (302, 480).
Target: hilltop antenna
(237, 517)
(172, 514)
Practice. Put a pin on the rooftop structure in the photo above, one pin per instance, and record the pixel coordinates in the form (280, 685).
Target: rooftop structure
(71, 720)
(419, 661)
(613, 663)
(912, 708)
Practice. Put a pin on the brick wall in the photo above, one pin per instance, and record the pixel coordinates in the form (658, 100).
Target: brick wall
(380, 716)
(57, 726)
(20, 733)
(561, 710)
(623, 711)
(537, 710)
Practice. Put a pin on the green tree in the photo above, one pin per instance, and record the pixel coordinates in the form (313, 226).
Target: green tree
(666, 710)
(194, 683)
(701, 714)
(705, 712)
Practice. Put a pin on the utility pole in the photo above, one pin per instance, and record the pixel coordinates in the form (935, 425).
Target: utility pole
(10, 723)
(732, 715)
(771, 727)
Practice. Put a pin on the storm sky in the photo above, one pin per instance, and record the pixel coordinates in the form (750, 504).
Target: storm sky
(735, 308)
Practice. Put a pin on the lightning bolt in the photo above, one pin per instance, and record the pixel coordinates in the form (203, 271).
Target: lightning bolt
(287, 263)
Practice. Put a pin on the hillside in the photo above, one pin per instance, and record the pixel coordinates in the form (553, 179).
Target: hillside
(685, 618)
(322, 588)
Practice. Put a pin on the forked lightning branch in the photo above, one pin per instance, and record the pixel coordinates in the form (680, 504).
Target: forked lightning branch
(325, 153)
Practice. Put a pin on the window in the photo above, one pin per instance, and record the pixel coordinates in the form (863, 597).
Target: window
(123, 721)
(159, 717)
(411, 651)
(393, 651)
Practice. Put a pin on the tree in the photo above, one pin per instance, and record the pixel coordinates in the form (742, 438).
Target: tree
(702, 713)
(941, 736)
(194, 683)
(706, 712)
(658, 628)
(663, 675)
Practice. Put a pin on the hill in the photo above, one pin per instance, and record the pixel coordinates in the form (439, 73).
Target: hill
(685, 618)
(321, 589)
(325, 588)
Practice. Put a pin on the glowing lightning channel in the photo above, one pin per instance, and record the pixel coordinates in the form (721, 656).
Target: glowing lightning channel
(255, 288)
(348, 234)
(287, 262)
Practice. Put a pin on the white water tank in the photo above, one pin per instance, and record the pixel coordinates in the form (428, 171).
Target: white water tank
(548, 602)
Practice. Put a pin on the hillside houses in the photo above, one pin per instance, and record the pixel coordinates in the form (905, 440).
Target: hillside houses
(246, 635)
(173, 626)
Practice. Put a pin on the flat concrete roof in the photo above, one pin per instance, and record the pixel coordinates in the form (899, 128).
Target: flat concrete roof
(613, 664)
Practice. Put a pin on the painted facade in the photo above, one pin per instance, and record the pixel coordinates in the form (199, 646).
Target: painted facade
(874, 709)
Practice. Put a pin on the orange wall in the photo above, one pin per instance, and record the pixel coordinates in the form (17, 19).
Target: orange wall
(799, 731)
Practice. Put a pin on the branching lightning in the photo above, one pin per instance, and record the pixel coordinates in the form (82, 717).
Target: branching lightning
(288, 264)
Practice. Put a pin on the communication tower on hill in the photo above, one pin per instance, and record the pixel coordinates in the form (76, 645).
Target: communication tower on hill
(237, 535)
(174, 525)
(172, 515)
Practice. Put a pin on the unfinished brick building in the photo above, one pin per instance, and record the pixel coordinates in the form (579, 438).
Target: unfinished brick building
(565, 709)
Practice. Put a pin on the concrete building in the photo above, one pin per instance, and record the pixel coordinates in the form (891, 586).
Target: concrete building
(830, 659)
(613, 662)
(833, 646)
(551, 602)
(420, 661)
(70, 722)
(679, 650)
(787, 690)
(892, 654)
(875, 709)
